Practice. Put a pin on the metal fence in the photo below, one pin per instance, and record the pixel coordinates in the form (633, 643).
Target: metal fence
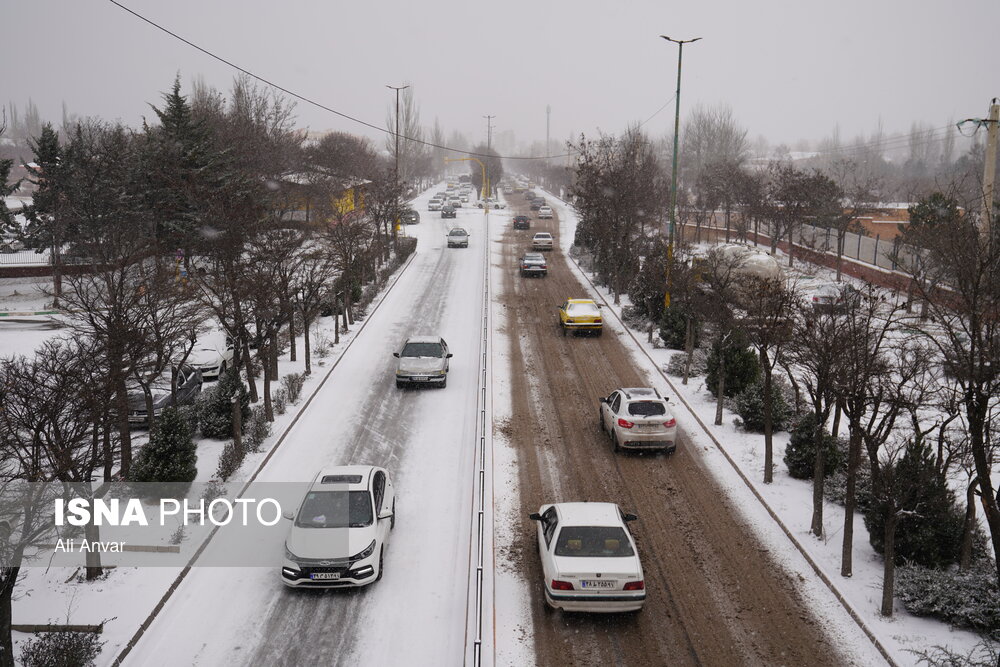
(883, 253)
(26, 258)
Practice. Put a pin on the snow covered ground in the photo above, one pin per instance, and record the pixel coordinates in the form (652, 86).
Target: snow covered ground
(737, 459)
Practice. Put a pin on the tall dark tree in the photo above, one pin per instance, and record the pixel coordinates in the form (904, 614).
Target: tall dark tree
(48, 226)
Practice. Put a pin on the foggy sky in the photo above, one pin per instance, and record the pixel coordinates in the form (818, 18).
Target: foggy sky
(789, 69)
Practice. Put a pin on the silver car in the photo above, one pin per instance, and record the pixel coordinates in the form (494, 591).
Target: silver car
(458, 238)
(639, 418)
(542, 241)
(423, 360)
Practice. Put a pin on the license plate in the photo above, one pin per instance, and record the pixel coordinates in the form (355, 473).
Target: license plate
(325, 575)
(649, 427)
(419, 379)
(598, 583)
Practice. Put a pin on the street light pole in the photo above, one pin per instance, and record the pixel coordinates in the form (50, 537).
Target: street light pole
(395, 226)
(489, 147)
(673, 174)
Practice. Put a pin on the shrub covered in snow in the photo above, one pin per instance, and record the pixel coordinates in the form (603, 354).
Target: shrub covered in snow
(749, 405)
(929, 531)
(256, 429)
(279, 398)
(170, 455)
(229, 462)
(61, 649)
(673, 328)
(216, 408)
(293, 385)
(800, 455)
(964, 599)
(699, 360)
(741, 366)
(835, 485)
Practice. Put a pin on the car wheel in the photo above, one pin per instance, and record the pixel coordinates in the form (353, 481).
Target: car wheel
(563, 327)
(222, 368)
(381, 559)
(400, 384)
(614, 439)
(600, 419)
(445, 383)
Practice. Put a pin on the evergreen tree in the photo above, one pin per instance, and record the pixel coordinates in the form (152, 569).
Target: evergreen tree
(800, 455)
(44, 223)
(171, 455)
(217, 409)
(742, 366)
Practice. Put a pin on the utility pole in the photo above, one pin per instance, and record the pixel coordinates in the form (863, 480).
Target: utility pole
(990, 168)
(395, 226)
(548, 118)
(489, 148)
(673, 175)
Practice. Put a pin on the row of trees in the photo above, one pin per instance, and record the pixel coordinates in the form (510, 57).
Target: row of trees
(219, 211)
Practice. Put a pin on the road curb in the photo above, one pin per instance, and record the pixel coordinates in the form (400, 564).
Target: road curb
(187, 568)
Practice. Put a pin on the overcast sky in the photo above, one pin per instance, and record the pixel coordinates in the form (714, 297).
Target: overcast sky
(790, 69)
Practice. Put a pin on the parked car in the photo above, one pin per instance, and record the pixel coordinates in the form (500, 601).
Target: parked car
(458, 238)
(589, 558)
(340, 532)
(522, 222)
(545, 212)
(212, 355)
(434, 205)
(409, 217)
(448, 211)
(580, 315)
(423, 360)
(492, 202)
(189, 383)
(10, 244)
(833, 297)
(638, 418)
(534, 264)
(541, 241)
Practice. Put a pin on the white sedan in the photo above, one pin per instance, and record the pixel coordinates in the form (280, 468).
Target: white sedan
(340, 532)
(589, 559)
(545, 212)
(212, 355)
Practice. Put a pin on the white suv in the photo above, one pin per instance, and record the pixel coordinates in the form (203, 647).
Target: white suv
(340, 532)
(638, 418)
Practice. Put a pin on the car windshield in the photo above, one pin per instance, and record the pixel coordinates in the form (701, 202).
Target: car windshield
(582, 309)
(335, 509)
(593, 541)
(458, 232)
(646, 408)
(543, 237)
(421, 350)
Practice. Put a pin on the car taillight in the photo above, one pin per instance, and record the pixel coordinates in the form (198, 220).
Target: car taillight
(544, 266)
(635, 586)
(670, 423)
(624, 423)
(815, 299)
(597, 320)
(561, 585)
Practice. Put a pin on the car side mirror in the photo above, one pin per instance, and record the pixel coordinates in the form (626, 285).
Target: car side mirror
(535, 516)
(450, 355)
(631, 517)
(604, 400)
(288, 515)
(385, 515)
(396, 354)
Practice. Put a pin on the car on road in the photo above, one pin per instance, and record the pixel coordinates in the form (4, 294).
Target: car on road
(434, 205)
(533, 264)
(455, 202)
(589, 558)
(537, 204)
(458, 238)
(492, 202)
(423, 360)
(545, 212)
(409, 217)
(529, 195)
(448, 211)
(542, 241)
(522, 222)
(189, 383)
(464, 197)
(638, 418)
(580, 315)
(340, 532)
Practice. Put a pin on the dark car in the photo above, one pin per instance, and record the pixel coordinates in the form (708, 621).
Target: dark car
(529, 195)
(189, 383)
(534, 264)
(537, 204)
(522, 222)
(410, 217)
(448, 211)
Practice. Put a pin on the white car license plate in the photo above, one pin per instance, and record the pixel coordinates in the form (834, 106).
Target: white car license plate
(325, 575)
(598, 583)
(419, 378)
(649, 427)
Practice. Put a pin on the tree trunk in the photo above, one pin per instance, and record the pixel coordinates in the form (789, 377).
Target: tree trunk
(109, 456)
(8, 579)
(268, 375)
(121, 409)
(721, 394)
(291, 335)
(688, 349)
(819, 466)
(850, 502)
(92, 534)
(840, 254)
(837, 410)
(346, 308)
(305, 343)
(237, 426)
(889, 572)
(248, 365)
(768, 419)
(969, 526)
(336, 329)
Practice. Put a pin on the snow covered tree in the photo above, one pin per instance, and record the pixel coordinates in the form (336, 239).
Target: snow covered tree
(170, 455)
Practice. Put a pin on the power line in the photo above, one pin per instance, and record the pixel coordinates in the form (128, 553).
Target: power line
(310, 101)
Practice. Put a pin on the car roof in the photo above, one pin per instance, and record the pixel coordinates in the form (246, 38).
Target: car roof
(333, 473)
(534, 255)
(640, 393)
(458, 229)
(589, 514)
(581, 301)
(542, 234)
(423, 339)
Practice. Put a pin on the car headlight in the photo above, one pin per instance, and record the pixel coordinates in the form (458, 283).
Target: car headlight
(289, 555)
(441, 372)
(361, 555)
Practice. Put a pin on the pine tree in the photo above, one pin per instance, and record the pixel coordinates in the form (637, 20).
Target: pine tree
(217, 410)
(171, 455)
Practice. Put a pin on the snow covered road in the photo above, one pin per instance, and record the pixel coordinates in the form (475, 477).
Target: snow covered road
(425, 438)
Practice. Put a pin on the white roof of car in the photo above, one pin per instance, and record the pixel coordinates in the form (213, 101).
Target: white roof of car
(424, 339)
(589, 514)
(336, 476)
(544, 235)
(641, 393)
